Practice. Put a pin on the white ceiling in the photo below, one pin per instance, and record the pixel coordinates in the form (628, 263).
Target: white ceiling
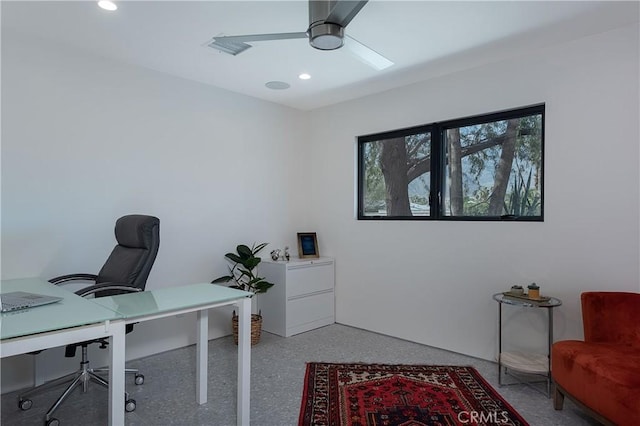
(423, 38)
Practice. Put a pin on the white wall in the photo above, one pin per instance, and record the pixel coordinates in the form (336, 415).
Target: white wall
(432, 282)
(85, 141)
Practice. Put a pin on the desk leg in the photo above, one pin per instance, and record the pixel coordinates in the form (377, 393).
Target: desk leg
(116, 374)
(202, 349)
(244, 360)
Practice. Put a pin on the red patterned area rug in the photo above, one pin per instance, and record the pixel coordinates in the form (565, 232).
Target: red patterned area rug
(400, 395)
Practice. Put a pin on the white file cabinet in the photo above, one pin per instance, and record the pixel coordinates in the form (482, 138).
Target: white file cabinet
(302, 297)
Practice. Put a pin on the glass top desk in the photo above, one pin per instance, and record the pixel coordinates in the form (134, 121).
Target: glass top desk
(165, 302)
(73, 319)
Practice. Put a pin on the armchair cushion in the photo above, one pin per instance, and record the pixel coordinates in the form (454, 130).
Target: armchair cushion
(602, 373)
(602, 376)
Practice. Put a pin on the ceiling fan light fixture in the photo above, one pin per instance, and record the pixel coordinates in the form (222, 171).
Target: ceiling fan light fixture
(326, 36)
(304, 76)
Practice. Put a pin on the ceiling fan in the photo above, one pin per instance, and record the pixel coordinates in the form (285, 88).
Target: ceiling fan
(327, 21)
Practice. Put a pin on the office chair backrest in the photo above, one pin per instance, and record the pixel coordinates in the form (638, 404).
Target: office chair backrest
(131, 260)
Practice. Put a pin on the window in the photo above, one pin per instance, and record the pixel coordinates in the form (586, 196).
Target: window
(487, 167)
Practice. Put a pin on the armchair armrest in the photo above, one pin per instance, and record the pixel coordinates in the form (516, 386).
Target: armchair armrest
(73, 277)
(86, 291)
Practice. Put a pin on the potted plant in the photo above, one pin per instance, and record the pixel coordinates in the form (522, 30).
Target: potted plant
(242, 272)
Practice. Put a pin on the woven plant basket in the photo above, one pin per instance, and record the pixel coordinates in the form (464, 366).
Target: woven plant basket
(256, 327)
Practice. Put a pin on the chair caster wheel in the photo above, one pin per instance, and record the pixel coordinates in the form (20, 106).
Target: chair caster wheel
(25, 404)
(129, 405)
(52, 422)
(139, 379)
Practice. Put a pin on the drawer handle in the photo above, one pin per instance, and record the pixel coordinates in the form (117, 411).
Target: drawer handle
(315, 293)
(311, 265)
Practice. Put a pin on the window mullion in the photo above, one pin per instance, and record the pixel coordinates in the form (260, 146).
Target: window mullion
(437, 168)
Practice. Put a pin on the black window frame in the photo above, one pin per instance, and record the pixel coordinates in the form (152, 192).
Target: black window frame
(437, 178)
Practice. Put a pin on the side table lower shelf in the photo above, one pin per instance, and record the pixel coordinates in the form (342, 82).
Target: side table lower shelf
(525, 363)
(515, 363)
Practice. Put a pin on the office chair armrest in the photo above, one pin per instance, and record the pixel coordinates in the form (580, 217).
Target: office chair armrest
(73, 277)
(106, 286)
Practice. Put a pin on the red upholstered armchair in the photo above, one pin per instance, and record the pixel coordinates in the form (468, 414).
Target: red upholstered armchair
(602, 374)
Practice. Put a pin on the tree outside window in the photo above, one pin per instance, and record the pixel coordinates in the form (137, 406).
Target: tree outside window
(487, 167)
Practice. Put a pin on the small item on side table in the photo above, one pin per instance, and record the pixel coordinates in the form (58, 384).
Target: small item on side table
(517, 290)
(534, 291)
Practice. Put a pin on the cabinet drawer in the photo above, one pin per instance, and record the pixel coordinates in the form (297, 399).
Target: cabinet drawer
(308, 279)
(309, 309)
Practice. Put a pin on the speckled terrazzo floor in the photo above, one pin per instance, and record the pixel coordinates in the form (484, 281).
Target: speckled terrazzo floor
(277, 371)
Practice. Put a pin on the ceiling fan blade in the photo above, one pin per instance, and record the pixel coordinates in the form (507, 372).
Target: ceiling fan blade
(344, 11)
(234, 45)
(366, 54)
(262, 37)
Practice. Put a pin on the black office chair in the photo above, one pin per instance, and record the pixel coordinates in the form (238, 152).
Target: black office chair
(125, 271)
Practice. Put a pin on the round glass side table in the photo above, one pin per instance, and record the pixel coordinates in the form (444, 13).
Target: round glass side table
(528, 363)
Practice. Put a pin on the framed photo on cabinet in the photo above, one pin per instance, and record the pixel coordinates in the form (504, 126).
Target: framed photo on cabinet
(307, 245)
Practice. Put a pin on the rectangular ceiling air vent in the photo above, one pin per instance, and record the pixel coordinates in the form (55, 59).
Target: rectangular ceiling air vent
(228, 46)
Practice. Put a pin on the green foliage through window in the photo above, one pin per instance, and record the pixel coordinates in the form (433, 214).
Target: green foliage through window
(487, 167)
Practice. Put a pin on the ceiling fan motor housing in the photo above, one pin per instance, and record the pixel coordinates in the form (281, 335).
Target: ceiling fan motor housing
(323, 35)
(326, 36)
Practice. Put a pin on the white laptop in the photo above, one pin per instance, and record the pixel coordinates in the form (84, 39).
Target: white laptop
(21, 300)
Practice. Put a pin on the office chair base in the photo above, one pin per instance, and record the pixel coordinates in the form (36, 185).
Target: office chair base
(138, 380)
(129, 406)
(81, 377)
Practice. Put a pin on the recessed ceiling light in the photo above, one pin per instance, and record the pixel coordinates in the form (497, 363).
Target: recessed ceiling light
(107, 5)
(304, 76)
(277, 85)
